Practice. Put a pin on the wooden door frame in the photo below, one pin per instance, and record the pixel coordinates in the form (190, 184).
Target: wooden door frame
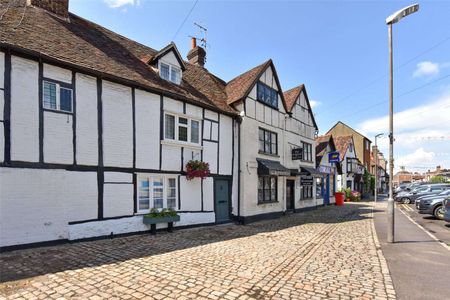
(292, 194)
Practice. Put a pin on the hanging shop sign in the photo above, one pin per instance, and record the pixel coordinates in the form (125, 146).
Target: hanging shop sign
(333, 157)
(297, 153)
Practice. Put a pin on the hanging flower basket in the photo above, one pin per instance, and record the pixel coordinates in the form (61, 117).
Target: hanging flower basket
(196, 168)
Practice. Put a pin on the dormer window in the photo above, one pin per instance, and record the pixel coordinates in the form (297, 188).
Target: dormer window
(170, 72)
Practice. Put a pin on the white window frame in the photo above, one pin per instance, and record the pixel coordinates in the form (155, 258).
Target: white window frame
(171, 67)
(58, 96)
(189, 129)
(150, 178)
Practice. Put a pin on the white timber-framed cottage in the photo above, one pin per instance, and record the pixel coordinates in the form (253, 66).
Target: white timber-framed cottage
(352, 169)
(97, 129)
(276, 145)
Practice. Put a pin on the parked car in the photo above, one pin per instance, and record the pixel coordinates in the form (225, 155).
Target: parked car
(446, 206)
(406, 187)
(428, 189)
(432, 205)
(426, 197)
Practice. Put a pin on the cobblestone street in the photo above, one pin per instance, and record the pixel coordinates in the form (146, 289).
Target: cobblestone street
(331, 252)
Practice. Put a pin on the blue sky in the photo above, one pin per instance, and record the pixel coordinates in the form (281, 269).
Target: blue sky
(338, 49)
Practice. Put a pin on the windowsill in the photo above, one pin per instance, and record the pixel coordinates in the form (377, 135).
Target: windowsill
(268, 154)
(181, 144)
(267, 202)
(57, 111)
(306, 161)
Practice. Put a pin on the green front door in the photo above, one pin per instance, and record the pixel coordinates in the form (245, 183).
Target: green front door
(222, 200)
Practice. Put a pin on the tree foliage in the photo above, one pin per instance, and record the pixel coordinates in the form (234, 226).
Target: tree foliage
(438, 179)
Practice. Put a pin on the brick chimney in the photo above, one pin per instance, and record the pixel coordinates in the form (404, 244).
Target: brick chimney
(57, 7)
(197, 55)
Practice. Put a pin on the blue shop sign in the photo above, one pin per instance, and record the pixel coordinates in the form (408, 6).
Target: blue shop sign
(333, 157)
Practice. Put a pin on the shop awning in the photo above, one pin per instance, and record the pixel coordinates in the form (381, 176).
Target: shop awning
(271, 167)
(310, 171)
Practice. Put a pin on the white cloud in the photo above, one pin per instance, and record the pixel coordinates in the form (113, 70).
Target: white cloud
(422, 135)
(314, 103)
(415, 159)
(428, 69)
(120, 3)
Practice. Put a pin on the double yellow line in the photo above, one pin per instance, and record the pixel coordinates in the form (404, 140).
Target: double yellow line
(407, 207)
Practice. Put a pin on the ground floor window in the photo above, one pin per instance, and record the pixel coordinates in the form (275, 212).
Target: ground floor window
(156, 192)
(319, 187)
(267, 189)
(307, 192)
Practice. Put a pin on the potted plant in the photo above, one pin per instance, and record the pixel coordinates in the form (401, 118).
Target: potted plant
(339, 197)
(196, 168)
(163, 216)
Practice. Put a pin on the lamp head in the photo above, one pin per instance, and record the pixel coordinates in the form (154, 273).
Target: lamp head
(398, 15)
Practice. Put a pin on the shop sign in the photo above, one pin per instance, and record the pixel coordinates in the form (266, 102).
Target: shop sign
(297, 153)
(325, 169)
(306, 180)
(333, 157)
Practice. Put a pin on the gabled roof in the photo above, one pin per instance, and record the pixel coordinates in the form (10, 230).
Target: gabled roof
(291, 97)
(90, 48)
(239, 87)
(340, 122)
(171, 47)
(322, 142)
(342, 142)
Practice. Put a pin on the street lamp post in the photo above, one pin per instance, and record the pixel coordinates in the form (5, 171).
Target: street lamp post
(376, 165)
(392, 19)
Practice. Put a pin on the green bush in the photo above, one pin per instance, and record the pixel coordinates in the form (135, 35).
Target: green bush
(165, 212)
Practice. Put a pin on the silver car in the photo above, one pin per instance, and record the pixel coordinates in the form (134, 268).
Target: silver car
(423, 190)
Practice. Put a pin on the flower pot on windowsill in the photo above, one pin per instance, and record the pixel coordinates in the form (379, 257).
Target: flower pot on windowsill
(196, 169)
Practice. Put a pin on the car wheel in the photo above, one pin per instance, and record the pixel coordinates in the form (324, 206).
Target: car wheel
(438, 212)
(406, 200)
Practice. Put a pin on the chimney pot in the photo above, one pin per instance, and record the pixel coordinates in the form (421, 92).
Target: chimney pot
(193, 42)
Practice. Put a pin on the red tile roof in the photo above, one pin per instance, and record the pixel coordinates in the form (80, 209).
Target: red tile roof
(291, 97)
(342, 142)
(239, 87)
(81, 43)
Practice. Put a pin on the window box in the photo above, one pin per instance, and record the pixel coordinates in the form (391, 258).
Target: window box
(164, 216)
(196, 168)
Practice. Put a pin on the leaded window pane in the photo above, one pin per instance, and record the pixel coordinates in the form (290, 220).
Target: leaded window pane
(182, 133)
(175, 76)
(49, 96)
(65, 99)
(144, 200)
(164, 71)
(195, 132)
(260, 189)
(170, 127)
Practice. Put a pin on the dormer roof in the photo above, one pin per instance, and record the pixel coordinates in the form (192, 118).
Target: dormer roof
(161, 53)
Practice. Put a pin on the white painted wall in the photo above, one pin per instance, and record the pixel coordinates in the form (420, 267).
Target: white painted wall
(57, 73)
(24, 110)
(208, 194)
(117, 199)
(132, 224)
(147, 112)
(87, 124)
(58, 138)
(36, 205)
(171, 158)
(2, 72)
(117, 125)
(226, 145)
(210, 155)
(190, 192)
